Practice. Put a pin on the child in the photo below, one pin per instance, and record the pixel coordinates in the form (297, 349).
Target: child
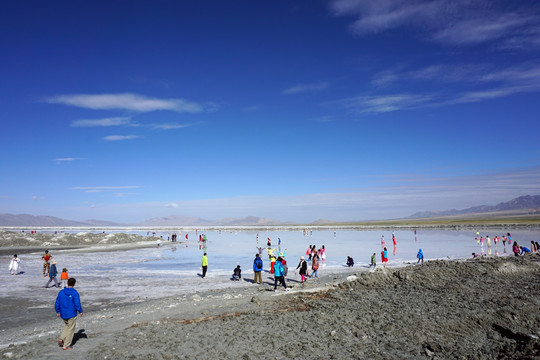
(237, 273)
(64, 278)
(14, 265)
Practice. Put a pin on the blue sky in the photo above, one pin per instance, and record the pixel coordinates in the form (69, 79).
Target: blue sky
(291, 110)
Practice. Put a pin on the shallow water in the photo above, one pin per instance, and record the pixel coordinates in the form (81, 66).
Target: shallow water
(226, 249)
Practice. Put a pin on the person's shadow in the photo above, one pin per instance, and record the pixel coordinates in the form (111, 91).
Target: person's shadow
(78, 335)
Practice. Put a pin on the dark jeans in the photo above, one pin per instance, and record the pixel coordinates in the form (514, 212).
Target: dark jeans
(281, 279)
(204, 268)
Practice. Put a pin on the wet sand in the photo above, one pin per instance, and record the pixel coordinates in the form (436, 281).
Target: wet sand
(482, 308)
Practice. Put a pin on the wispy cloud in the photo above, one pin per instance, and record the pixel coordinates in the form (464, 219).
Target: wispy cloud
(458, 22)
(513, 80)
(381, 15)
(127, 101)
(478, 82)
(495, 93)
(97, 189)
(385, 103)
(169, 126)
(113, 121)
(304, 88)
(67, 160)
(483, 29)
(120, 137)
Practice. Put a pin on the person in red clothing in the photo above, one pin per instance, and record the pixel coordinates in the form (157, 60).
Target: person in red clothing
(272, 263)
(46, 262)
(384, 257)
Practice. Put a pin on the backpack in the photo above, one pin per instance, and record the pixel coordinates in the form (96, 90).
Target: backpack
(285, 270)
(258, 265)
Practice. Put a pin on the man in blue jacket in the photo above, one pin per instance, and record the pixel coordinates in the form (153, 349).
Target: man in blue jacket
(67, 305)
(257, 269)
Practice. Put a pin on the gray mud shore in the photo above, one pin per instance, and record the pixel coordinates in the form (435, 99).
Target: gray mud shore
(475, 309)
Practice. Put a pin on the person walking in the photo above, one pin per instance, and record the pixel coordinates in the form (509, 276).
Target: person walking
(279, 274)
(46, 262)
(64, 277)
(373, 260)
(52, 275)
(420, 256)
(323, 254)
(204, 265)
(302, 265)
(14, 265)
(315, 266)
(67, 305)
(257, 269)
(384, 257)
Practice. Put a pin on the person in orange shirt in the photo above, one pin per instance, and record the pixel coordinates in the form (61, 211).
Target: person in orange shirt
(64, 278)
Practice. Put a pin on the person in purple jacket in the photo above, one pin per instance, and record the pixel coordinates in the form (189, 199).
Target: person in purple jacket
(67, 305)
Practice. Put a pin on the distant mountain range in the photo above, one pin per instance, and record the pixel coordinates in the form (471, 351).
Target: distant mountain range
(522, 203)
(26, 220)
(175, 220)
(527, 202)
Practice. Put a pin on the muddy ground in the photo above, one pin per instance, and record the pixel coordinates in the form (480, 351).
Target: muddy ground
(483, 308)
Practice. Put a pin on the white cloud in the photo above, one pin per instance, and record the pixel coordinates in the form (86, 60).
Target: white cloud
(483, 29)
(126, 101)
(169, 126)
(120, 137)
(479, 82)
(509, 81)
(114, 121)
(67, 160)
(303, 88)
(458, 22)
(385, 103)
(495, 93)
(384, 78)
(97, 189)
